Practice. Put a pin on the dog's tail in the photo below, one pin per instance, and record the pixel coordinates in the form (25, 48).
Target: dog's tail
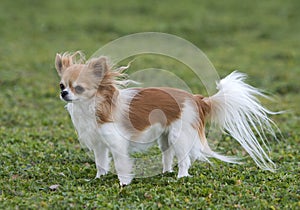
(237, 111)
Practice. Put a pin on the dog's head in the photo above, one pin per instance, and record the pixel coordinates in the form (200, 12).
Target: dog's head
(79, 80)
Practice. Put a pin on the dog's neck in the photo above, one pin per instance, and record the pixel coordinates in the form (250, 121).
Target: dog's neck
(84, 120)
(82, 110)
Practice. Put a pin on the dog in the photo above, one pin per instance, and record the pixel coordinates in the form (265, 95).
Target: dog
(113, 120)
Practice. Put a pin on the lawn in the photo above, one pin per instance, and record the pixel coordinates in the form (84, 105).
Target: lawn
(42, 165)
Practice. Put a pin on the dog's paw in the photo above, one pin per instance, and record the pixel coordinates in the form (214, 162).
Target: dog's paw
(183, 175)
(167, 171)
(100, 173)
(125, 180)
(123, 185)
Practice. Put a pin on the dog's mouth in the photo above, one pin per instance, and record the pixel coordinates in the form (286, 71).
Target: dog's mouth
(65, 98)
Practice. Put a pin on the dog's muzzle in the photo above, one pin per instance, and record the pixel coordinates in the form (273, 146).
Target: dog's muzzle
(64, 95)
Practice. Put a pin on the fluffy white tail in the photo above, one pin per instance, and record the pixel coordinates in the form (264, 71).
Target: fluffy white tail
(237, 111)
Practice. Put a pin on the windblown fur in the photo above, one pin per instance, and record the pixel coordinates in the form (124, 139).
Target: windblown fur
(236, 109)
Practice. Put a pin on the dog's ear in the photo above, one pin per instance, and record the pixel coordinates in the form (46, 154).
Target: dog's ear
(62, 62)
(99, 66)
(59, 64)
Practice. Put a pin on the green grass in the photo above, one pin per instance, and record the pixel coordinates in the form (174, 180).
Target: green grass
(38, 144)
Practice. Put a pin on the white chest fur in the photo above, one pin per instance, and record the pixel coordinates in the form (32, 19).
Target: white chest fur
(84, 120)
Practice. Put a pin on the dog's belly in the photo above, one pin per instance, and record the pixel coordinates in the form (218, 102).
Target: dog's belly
(143, 140)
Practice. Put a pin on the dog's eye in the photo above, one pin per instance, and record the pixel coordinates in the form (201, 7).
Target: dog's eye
(79, 89)
(62, 87)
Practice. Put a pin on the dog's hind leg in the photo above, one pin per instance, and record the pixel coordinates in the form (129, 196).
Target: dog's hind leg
(167, 153)
(182, 149)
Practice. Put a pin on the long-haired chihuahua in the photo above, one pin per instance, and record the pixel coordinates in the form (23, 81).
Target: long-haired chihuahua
(112, 120)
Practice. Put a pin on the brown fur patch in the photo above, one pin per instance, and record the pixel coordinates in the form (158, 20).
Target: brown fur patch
(163, 105)
(156, 105)
(203, 109)
(105, 103)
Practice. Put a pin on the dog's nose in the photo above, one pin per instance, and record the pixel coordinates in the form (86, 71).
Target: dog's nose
(64, 93)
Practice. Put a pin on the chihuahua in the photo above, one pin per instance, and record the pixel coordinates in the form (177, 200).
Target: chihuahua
(112, 120)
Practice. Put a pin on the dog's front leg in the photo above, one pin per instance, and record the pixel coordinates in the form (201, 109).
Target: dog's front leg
(118, 145)
(102, 159)
(123, 166)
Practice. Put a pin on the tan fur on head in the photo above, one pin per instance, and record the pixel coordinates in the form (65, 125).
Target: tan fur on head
(94, 78)
(101, 67)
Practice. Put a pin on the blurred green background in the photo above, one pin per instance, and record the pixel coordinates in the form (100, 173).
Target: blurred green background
(38, 145)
